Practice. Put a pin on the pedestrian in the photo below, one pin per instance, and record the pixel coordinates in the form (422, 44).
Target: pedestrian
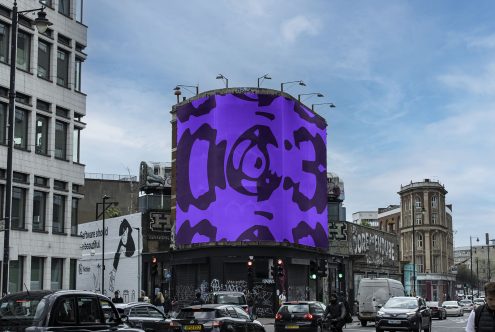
(167, 305)
(117, 298)
(175, 307)
(198, 300)
(482, 318)
(159, 301)
(335, 313)
(143, 298)
(250, 303)
(282, 298)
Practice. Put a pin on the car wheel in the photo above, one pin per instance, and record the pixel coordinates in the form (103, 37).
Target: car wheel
(364, 322)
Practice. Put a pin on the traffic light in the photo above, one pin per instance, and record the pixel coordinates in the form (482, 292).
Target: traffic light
(250, 267)
(340, 272)
(154, 265)
(322, 268)
(280, 267)
(313, 270)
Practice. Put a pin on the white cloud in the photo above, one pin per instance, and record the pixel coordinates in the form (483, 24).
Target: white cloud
(293, 28)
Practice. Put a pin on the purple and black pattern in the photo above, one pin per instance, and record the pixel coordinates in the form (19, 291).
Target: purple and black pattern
(250, 168)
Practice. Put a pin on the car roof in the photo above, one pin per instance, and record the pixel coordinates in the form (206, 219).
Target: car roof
(227, 292)
(132, 304)
(207, 306)
(300, 302)
(43, 293)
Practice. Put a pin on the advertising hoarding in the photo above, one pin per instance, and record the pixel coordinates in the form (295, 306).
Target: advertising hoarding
(121, 256)
(250, 167)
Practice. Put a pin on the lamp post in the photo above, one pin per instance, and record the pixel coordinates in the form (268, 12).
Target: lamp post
(317, 94)
(471, 261)
(139, 261)
(221, 77)
(477, 281)
(301, 83)
(414, 244)
(264, 77)
(196, 87)
(42, 24)
(331, 105)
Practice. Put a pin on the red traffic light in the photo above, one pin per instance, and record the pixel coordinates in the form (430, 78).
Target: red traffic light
(250, 263)
(280, 261)
(154, 260)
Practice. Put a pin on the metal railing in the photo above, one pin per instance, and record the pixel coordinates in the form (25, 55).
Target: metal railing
(113, 177)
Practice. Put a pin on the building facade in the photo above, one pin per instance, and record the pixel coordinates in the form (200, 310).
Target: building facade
(389, 219)
(426, 240)
(48, 173)
(365, 218)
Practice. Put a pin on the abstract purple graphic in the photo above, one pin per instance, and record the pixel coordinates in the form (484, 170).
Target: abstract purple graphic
(250, 167)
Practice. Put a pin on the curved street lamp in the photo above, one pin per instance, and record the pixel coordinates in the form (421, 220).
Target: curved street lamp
(262, 78)
(331, 105)
(42, 24)
(471, 261)
(221, 77)
(317, 94)
(301, 83)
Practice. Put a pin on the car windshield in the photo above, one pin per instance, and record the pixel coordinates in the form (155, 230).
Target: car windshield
(25, 308)
(452, 303)
(479, 301)
(203, 313)
(230, 299)
(401, 303)
(294, 308)
(465, 302)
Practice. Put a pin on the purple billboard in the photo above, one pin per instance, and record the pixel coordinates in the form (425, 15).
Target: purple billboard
(250, 167)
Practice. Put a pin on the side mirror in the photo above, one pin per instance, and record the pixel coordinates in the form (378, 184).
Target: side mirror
(379, 306)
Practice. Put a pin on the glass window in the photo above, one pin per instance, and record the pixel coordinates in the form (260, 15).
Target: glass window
(419, 239)
(434, 218)
(39, 210)
(4, 42)
(434, 201)
(3, 123)
(419, 220)
(20, 128)
(42, 134)
(434, 241)
(18, 207)
(77, 74)
(417, 202)
(58, 213)
(23, 50)
(64, 7)
(43, 105)
(73, 221)
(44, 50)
(79, 10)
(16, 270)
(37, 273)
(62, 68)
(65, 312)
(88, 310)
(76, 144)
(57, 266)
(73, 274)
(60, 140)
(48, 3)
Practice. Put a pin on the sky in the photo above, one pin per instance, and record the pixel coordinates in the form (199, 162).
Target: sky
(413, 82)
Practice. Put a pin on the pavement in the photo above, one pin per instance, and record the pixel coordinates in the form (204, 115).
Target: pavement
(266, 321)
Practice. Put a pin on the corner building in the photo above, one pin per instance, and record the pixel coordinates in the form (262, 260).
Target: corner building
(48, 173)
(424, 204)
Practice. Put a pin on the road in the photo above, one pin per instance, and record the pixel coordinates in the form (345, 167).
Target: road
(451, 324)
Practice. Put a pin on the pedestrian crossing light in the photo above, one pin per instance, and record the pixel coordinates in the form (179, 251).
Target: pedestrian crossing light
(280, 268)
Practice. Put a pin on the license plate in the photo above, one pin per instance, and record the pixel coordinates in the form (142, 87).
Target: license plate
(394, 321)
(193, 327)
(291, 327)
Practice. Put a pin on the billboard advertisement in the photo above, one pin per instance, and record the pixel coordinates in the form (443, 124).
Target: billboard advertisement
(250, 167)
(121, 256)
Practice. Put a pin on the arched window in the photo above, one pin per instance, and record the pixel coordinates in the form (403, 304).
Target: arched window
(419, 240)
(434, 218)
(434, 240)
(417, 201)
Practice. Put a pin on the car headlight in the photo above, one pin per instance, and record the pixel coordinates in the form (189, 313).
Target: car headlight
(410, 314)
(380, 313)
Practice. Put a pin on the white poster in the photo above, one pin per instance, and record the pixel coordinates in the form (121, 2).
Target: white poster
(121, 256)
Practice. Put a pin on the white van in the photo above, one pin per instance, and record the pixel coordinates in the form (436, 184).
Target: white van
(372, 295)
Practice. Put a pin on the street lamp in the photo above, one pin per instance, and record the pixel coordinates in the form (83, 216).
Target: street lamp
(290, 82)
(317, 94)
(139, 260)
(331, 105)
(221, 77)
(414, 244)
(471, 258)
(42, 24)
(178, 86)
(105, 206)
(262, 78)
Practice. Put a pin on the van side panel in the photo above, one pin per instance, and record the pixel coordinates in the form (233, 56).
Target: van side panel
(374, 293)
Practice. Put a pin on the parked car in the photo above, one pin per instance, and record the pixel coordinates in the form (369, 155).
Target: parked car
(300, 315)
(478, 302)
(437, 311)
(144, 316)
(215, 318)
(59, 310)
(225, 297)
(453, 308)
(373, 293)
(404, 313)
(467, 305)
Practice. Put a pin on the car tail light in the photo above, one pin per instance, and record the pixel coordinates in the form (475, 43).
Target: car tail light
(278, 316)
(308, 316)
(217, 323)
